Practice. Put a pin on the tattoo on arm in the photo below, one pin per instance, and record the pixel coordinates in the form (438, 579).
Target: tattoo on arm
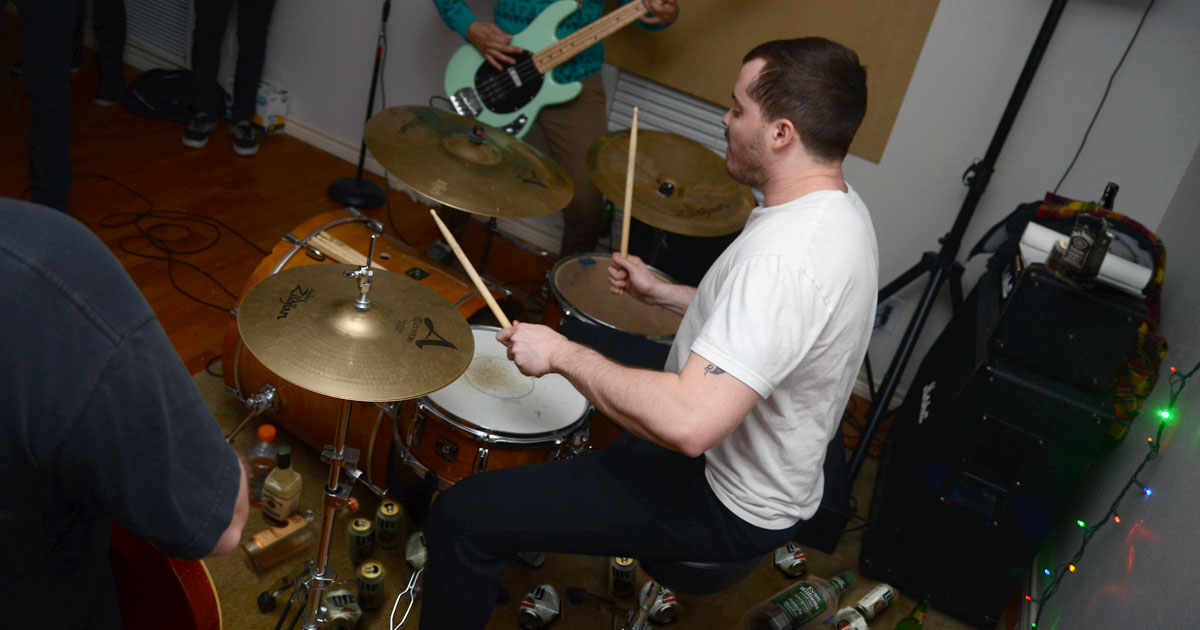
(712, 369)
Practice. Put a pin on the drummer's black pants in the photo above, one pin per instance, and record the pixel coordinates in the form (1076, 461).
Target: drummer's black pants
(632, 499)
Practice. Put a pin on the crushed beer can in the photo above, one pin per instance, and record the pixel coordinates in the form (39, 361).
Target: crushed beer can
(539, 607)
(414, 550)
(848, 618)
(342, 610)
(875, 601)
(790, 559)
(664, 608)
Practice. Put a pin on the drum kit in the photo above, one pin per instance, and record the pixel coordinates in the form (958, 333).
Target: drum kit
(325, 329)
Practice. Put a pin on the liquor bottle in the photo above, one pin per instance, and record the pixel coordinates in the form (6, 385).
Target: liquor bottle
(801, 606)
(260, 461)
(281, 490)
(915, 619)
(276, 544)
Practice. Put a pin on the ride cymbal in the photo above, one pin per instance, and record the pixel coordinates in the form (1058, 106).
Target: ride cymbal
(302, 324)
(462, 163)
(679, 185)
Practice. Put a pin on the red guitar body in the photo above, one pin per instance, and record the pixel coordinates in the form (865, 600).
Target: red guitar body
(156, 591)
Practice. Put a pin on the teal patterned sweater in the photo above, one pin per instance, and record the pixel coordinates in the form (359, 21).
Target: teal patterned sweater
(514, 15)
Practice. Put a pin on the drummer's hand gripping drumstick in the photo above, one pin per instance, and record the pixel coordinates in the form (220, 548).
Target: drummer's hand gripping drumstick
(462, 259)
(627, 209)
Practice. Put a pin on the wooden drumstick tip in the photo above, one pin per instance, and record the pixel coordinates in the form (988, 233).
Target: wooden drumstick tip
(470, 269)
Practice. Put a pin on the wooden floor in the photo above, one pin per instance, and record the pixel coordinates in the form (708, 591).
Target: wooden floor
(134, 179)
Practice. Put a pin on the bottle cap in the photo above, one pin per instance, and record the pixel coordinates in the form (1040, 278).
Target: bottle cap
(283, 456)
(266, 432)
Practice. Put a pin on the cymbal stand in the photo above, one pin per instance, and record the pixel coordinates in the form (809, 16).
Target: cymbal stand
(265, 400)
(337, 494)
(493, 231)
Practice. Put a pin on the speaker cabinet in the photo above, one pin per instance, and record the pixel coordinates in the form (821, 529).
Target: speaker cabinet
(984, 452)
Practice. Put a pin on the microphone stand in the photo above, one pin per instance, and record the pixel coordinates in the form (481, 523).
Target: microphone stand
(357, 192)
(943, 266)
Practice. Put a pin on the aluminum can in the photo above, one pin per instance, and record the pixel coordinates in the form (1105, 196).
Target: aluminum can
(848, 619)
(875, 601)
(664, 608)
(621, 575)
(370, 585)
(414, 550)
(539, 607)
(362, 540)
(389, 519)
(341, 608)
(790, 559)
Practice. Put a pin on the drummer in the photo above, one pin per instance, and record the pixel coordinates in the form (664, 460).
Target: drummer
(724, 448)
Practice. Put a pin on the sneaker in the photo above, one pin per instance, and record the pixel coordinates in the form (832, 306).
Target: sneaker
(198, 131)
(245, 139)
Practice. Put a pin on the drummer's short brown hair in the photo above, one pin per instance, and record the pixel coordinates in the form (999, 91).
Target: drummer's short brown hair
(818, 85)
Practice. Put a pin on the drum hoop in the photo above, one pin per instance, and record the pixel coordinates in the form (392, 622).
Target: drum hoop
(304, 241)
(570, 310)
(491, 436)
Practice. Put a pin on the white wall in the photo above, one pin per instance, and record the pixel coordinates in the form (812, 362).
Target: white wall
(1141, 572)
(322, 53)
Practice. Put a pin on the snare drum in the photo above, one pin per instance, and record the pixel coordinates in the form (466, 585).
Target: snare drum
(581, 290)
(491, 417)
(310, 416)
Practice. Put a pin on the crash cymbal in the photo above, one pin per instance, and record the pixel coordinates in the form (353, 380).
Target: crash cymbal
(465, 164)
(679, 185)
(301, 324)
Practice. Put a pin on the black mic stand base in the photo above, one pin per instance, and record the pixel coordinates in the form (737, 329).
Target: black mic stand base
(363, 194)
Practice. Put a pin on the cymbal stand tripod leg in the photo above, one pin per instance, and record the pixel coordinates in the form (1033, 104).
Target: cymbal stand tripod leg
(337, 495)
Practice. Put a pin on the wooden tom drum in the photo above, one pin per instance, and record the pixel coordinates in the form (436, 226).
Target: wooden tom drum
(580, 288)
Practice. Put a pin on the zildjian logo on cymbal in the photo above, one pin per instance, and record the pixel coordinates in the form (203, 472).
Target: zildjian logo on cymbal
(297, 296)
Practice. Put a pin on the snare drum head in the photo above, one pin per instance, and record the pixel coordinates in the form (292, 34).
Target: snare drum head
(580, 283)
(493, 395)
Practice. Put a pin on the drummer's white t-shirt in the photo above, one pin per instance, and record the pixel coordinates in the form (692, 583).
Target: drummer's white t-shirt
(788, 310)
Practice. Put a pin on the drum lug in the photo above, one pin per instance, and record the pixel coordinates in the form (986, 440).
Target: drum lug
(481, 457)
(416, 430)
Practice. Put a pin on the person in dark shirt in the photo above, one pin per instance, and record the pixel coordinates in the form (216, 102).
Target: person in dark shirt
(102, 425)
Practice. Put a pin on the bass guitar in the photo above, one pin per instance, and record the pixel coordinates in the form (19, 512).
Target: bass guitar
(510, 99)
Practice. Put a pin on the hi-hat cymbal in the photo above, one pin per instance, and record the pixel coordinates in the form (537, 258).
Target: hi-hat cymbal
(301, 323)
(465, 164)
(679, 185)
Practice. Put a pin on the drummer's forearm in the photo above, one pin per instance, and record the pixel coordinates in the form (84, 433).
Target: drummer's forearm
(674, 297)
(658, 407)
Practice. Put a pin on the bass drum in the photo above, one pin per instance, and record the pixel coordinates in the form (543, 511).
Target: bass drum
(339, 237)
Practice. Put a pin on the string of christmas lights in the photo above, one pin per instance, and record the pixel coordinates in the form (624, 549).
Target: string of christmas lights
(1177, 382)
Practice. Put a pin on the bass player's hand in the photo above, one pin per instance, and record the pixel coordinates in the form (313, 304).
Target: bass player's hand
(493, 43)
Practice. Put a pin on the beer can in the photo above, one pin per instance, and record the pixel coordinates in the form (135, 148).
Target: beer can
(388, 520)
(539, 607)
(341, 608)
(875, 601)
(362, 540)
(848, 619)
(370, 585)
(414, 550)
(790, 559)
(621, 576)
(664, 608)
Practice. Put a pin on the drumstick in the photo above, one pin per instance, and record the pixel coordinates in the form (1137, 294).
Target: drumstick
(628, 208)
(462, 259)
(339, 251)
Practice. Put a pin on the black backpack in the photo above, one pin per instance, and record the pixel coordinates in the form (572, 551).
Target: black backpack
(162, 95)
